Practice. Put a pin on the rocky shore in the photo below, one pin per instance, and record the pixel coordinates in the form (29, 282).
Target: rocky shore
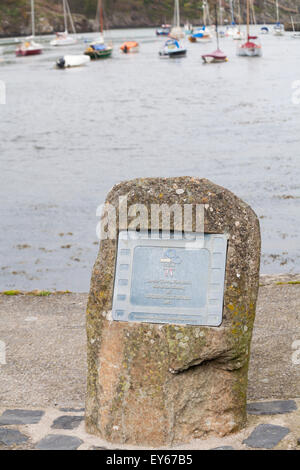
(49, 17)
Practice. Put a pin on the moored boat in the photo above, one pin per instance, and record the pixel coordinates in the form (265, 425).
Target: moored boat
(99, 49)
(217, 55)
(30, 46)
(64, 39)
(250, 48)
(177, 32)
(173, 48)
(296, 34)
(238, 35)
(164, 30)
(202, 35)
(264, 29)
(129, 46)
(278, 28)
(69, 61)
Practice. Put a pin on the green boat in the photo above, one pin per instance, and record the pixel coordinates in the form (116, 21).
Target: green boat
(98, 49)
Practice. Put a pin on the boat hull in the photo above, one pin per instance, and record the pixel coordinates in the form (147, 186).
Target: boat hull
(173, 54)
(69, 61)
(63, 42)
(23, 53)
(249, 52)
(95, 55)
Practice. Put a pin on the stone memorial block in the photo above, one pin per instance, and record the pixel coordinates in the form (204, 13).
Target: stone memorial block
(170, 312)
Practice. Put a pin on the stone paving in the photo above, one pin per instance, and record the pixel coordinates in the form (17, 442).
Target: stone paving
(271, 425)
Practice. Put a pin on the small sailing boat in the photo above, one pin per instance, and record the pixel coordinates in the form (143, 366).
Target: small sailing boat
(264, 29)
(176, 32)
(64, 39)
(188, 28)
(98, 49)
(218, 55)
(249, 48)
(221, 32)
(202, 34)
(164, 30)
(29, 46)
(130, 46)
(231, 30)
(295, 35)
(69, 61)
(238, 35)
(173, 48)
(278, 28)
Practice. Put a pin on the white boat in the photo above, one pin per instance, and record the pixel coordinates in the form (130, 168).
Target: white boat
(251, 48)
(176, 31)
(30, 46)
(233, 29)
(173, 48)
(64, 39)
(295, 35)
(68, 61)
(203, 34)
(238, 35)
(278, 29)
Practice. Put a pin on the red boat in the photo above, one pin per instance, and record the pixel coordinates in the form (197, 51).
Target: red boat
(29, 47)
(216, 56)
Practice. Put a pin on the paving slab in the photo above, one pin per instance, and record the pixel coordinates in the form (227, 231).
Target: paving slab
(20, 417)
(67, 422)
(223, 448)
(59, 442)
(272, 407)
(10, 437)
(266, 436)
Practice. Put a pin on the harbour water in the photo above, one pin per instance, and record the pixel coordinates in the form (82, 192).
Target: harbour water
(67, 136)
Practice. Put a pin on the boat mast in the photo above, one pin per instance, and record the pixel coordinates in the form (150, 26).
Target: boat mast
(232, 14)
(32, 18)
(101, 16)
(204, 13)
(277, 11)
(221, 12)
(65, 16)
(248, 19)
(293, 25)
(177, 14)
(217, 32)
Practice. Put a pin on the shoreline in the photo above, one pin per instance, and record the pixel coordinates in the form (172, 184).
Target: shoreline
(264, 280)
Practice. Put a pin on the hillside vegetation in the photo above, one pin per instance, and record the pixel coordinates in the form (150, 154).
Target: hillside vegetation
(15, 14)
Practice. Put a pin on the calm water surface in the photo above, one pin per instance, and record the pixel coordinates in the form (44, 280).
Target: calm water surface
(68, 136)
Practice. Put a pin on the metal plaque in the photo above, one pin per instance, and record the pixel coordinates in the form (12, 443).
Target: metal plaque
(168, 279)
